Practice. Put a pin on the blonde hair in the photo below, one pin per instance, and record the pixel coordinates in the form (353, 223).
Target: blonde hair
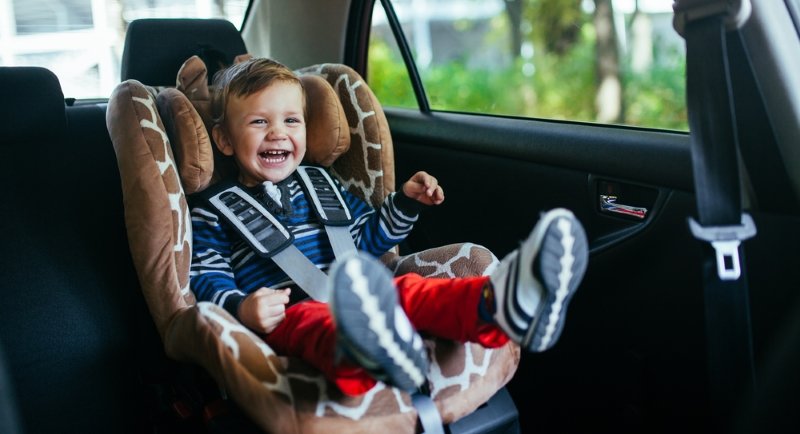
(247, 78)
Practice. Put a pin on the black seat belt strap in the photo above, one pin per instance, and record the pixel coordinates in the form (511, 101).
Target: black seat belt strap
(705, 24)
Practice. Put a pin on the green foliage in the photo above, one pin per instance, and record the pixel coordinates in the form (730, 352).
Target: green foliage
(556, 86)
(453, 87)
(558, 23)
(657, 98)
(565, 84)
(388, 76)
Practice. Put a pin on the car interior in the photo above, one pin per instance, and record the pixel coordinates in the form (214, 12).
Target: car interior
(100, 333)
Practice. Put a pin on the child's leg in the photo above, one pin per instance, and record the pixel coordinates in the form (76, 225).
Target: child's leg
(526, 296)
(308, 332)
(448, 308)
(534, 284)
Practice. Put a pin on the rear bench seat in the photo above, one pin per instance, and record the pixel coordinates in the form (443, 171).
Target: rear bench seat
(74, 330)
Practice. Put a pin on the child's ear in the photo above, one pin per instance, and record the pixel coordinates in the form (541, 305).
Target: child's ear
(221, 139)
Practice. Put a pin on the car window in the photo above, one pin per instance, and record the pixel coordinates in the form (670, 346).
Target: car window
(81, 41)
(606, 61)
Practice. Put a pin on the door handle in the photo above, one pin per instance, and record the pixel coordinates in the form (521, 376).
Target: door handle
(608, 204)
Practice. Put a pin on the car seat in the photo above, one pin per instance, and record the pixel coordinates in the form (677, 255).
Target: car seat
(164, 153)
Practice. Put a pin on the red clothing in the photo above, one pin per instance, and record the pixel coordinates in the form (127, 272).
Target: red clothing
(447, 308)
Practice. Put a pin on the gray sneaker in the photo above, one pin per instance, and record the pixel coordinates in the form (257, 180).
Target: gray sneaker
(534, 284)
(372, 329)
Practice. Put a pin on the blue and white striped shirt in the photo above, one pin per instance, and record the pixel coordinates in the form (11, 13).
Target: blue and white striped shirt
(225, 269)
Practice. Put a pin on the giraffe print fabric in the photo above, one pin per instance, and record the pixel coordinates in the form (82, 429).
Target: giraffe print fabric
(283, 394)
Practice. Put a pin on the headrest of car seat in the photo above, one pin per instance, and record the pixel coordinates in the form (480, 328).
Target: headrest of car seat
(156, 48)
(33, 105)
(186, 110)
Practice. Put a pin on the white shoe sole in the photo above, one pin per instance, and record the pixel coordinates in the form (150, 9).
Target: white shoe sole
(371, 327)
(553, 259)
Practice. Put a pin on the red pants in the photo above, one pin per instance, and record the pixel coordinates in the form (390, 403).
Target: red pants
(447, 308)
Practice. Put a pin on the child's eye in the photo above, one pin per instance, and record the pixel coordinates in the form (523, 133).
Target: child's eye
(293, 120)
(259, 121)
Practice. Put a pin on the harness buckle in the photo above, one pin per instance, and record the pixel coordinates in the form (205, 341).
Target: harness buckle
(726, 240)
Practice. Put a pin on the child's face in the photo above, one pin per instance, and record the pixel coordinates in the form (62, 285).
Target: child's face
(265, 132)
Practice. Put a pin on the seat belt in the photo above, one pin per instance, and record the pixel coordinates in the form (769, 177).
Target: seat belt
(721, 222)
(427, 413)
(270, 239)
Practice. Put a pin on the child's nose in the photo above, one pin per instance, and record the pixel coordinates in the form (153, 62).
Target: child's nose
(278, 131)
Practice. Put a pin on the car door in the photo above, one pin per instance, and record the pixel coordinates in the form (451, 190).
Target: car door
(632, 355)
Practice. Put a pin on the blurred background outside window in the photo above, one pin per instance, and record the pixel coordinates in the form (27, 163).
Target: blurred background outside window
(81, 40)
(604, 61)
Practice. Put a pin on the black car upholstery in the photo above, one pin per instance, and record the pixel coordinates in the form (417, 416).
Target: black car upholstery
(148, 59)
(73, 326)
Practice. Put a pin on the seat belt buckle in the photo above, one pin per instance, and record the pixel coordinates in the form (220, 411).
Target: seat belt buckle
(726, 240)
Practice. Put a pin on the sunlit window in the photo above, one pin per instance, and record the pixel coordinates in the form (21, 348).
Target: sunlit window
(81, 41)
(605, 61)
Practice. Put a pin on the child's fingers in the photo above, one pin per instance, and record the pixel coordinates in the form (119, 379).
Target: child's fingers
(438, 196)
(274, 296)
(413, 189)
(282, 295)
(433, 186)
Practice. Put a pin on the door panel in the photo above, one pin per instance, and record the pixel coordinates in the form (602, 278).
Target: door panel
(632, 352)
(512, 169)
(632, 356)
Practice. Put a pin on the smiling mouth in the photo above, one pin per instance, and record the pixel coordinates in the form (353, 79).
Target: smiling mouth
(273, 157)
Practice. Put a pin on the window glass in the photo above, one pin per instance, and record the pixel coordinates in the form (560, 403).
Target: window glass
(386, 73)
(606, 61)
(81, 41)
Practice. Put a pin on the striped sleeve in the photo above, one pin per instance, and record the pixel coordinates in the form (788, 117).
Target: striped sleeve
(211, 275)
(377, 231)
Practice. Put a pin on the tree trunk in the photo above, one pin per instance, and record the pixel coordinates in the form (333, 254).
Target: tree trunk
(514, 11)
(609, 90)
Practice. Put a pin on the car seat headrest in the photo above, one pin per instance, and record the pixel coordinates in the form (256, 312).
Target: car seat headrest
(33, 106)
(156, 48)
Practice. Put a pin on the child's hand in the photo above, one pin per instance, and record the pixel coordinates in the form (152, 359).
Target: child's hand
(424, 188)
(264, 309)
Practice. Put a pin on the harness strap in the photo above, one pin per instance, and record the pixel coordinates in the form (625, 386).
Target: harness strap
(428, 414)
(269, 238)
(330, 208)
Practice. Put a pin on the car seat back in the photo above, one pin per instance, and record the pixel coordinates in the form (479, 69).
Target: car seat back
(163, 152)
(156, 48)
(73, 327)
